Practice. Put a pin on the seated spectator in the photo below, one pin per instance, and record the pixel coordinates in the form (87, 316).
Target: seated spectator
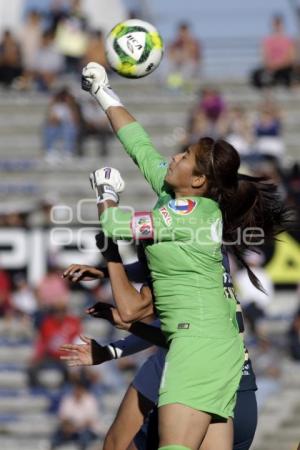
(279, 55)
(294, 337)
(206, 116)
(293, 182)
(40, 216)
(78, 418)
(268, 131)
(62, 126)
(5, 293)
(57, 328)
(71, 37)
(95, 124)
(235, 127)
(30, 37)
(10, 59)
(52, 289)
(184, 55)
(23, 298)
(254, 302)
(48, 63)
(56, 12)
(95, 50)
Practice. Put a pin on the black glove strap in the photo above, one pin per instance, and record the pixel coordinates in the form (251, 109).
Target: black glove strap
(100, 354)
(108, 248)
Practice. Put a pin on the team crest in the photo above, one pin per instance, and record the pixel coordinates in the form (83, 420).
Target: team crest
(182, 206)
(142, 226)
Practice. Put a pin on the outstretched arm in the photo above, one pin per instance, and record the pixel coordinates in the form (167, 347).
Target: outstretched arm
(135, 272)
(133, 137)
(92, 353)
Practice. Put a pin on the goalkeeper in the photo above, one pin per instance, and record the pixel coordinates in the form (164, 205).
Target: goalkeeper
(142, 393)
(203, 364)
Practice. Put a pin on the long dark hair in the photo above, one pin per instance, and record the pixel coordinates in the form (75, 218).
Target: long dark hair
(247, 203)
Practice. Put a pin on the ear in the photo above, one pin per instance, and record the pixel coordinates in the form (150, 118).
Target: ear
(198, 181)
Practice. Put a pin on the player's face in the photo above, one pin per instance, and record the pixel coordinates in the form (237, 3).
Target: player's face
(180, 174)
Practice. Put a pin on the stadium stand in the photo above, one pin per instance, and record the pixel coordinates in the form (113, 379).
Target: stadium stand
(25, 418)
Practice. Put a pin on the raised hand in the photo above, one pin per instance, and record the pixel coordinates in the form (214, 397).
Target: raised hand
(87, 354)
(94, 80)
(82, 272)
(79, 354)
(107, 184)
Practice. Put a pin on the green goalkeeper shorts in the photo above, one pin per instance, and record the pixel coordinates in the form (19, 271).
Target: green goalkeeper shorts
(203, 373)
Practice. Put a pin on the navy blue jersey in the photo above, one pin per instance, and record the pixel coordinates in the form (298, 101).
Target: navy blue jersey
(248, 381)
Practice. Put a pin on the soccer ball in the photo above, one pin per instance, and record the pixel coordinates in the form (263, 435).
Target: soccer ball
(134, 48)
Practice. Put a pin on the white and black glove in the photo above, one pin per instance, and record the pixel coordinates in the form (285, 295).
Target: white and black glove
(94, 80)
(107, 184)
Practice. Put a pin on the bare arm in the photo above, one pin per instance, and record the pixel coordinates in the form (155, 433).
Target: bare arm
(131, 304)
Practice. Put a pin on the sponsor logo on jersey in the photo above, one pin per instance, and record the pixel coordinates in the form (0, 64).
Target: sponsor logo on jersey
(142, 225)
(163, 164)
(183, 326)
(182, 206)
(166, 216)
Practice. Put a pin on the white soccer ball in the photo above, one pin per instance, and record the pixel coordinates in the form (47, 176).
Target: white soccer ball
(134, 48)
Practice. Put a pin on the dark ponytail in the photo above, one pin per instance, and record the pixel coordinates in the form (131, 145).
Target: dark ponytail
(247, 203)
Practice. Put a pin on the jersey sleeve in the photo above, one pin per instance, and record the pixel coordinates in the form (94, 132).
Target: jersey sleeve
(185, 220)
(139, 147)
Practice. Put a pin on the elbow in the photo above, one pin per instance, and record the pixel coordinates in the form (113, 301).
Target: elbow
(131, 314)
(128, 316)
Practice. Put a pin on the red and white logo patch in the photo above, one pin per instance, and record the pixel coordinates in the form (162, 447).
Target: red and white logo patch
(142, 226)
(166, 216)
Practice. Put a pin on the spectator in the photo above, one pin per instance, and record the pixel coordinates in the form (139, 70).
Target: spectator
(206, 117)
(71, 37)
(15, 219)
(23, 297)
(294, 337)
(235, 127)
(184, 55)
(57, 328)
(48, 63)
(57, 11)
(268, 131)
(78, 418)
(94, 123)
(95, 50)
(279, 56)
(254, 302)
(62, 126)
(40, 216)
(52, 289)
(5, 293)
(10, 59)
(30, 42)
(293, 180)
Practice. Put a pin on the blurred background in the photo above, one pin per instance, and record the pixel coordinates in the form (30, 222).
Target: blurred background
(230, 70)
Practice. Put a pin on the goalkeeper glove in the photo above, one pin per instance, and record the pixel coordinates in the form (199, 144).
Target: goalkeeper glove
(107, 184)
(94, 80)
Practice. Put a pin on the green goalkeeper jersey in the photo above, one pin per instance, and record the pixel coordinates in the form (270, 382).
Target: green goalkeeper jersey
(183, 248)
